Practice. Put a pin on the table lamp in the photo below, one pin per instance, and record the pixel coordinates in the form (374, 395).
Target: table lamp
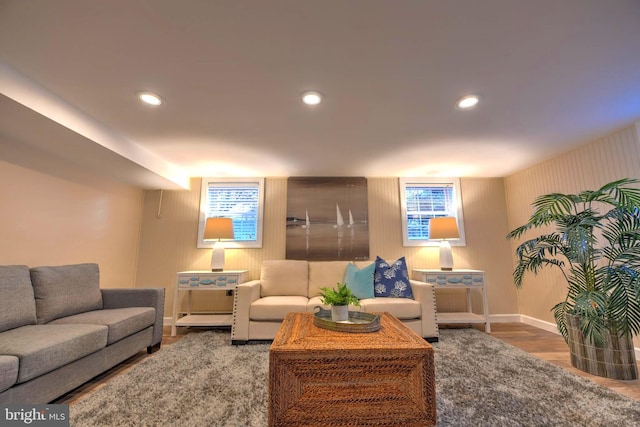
(445, 229)
(217, 229)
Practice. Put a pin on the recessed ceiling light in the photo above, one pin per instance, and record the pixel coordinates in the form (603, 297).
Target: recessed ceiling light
(150, 98)
(467, 102)
(312, 98)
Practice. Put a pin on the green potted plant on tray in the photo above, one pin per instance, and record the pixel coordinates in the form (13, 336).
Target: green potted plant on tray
(339, 299)
(595, 243)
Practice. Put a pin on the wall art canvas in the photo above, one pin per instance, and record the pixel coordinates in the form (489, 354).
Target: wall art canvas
(327, 219)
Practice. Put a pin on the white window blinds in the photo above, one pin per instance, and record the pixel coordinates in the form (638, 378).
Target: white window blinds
(426, 201)
(238, 199)
(426, 198)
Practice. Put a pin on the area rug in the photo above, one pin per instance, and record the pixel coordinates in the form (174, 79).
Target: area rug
(202, 380)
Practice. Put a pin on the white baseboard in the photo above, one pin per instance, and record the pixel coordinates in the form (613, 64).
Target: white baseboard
(540, 324)
(504, 318)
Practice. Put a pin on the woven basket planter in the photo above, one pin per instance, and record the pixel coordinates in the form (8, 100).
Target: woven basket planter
(615, 359)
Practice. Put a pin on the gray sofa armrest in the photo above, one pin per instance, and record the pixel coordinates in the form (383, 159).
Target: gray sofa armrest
(139, 297)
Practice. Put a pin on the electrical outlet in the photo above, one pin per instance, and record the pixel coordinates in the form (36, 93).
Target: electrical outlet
(229, 292)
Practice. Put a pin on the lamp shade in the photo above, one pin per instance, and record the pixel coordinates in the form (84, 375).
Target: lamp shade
(218, 228)
(443, 228)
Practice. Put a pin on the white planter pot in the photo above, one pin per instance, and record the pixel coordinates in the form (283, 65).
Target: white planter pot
(339, 313)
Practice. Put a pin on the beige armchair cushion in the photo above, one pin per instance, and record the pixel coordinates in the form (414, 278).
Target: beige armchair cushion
(402, 308)
(325, 274)
(284, 277)
(276, 308)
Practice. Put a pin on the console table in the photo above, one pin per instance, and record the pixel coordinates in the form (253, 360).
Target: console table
(461, 279)
(189, 281)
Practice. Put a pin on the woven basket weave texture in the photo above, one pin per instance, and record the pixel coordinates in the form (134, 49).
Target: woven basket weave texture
(323, 377)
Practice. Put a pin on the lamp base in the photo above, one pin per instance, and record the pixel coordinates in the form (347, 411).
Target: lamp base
(217, 257)
(446, 257)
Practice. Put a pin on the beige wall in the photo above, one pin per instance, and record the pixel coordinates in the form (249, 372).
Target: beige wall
(168, 240)
(68, 216)
(609, 158)
(169, 234)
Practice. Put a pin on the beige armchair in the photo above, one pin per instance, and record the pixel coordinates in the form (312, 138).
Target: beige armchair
(294, 286)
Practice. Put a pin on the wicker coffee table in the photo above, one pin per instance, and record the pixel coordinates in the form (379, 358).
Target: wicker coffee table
(328, 378)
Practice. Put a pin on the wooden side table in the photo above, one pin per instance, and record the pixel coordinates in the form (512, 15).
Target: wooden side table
(189, 281)
(461, 279)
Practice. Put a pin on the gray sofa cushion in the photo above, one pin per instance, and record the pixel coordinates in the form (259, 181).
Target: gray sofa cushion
(43, 348)
(121, 322)
(17, 305)
(65, 290)
(8, 372)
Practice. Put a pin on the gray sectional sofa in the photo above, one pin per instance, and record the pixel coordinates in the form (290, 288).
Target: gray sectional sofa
(58, 329)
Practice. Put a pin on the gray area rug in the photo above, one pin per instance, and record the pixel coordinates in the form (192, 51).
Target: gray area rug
(480, 381)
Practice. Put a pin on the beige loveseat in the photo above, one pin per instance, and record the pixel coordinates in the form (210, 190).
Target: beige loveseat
(294, 286)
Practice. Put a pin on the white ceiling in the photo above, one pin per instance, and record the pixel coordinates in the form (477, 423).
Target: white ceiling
(551, 75)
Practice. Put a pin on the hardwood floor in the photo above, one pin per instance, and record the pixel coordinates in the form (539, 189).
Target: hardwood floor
(540, 343)
(552, 348)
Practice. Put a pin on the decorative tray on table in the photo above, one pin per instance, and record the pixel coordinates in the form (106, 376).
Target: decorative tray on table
(358, 321)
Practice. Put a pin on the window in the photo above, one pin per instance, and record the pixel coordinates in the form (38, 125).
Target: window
(424, 198)
(242, 200)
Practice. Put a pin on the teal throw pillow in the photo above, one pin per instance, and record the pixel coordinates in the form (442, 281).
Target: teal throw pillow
(360, 282)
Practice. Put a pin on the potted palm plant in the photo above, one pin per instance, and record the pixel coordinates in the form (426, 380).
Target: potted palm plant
(339, 299)
(595, 242)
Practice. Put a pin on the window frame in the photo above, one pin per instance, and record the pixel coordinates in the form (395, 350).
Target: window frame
(455, 182)
(204, 187)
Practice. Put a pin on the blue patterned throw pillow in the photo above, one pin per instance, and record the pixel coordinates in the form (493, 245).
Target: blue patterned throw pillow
(392, 279)
(360, 282)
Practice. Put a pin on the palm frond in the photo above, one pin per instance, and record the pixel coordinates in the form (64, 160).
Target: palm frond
(623, 305)
(554, 204)
(593, 328)
(590, 307)
(590, 302)
(626, 196)
(538, 221)
(559, 313)
(613, 186)
(537, 253)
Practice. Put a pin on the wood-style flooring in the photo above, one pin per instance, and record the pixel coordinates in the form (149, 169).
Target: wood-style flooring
(540, 343)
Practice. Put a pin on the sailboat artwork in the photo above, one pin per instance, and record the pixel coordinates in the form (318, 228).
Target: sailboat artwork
(352, 231)
(339, 225)
(307, 230)
(307, 223)
(323, 234)
(339, 219)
